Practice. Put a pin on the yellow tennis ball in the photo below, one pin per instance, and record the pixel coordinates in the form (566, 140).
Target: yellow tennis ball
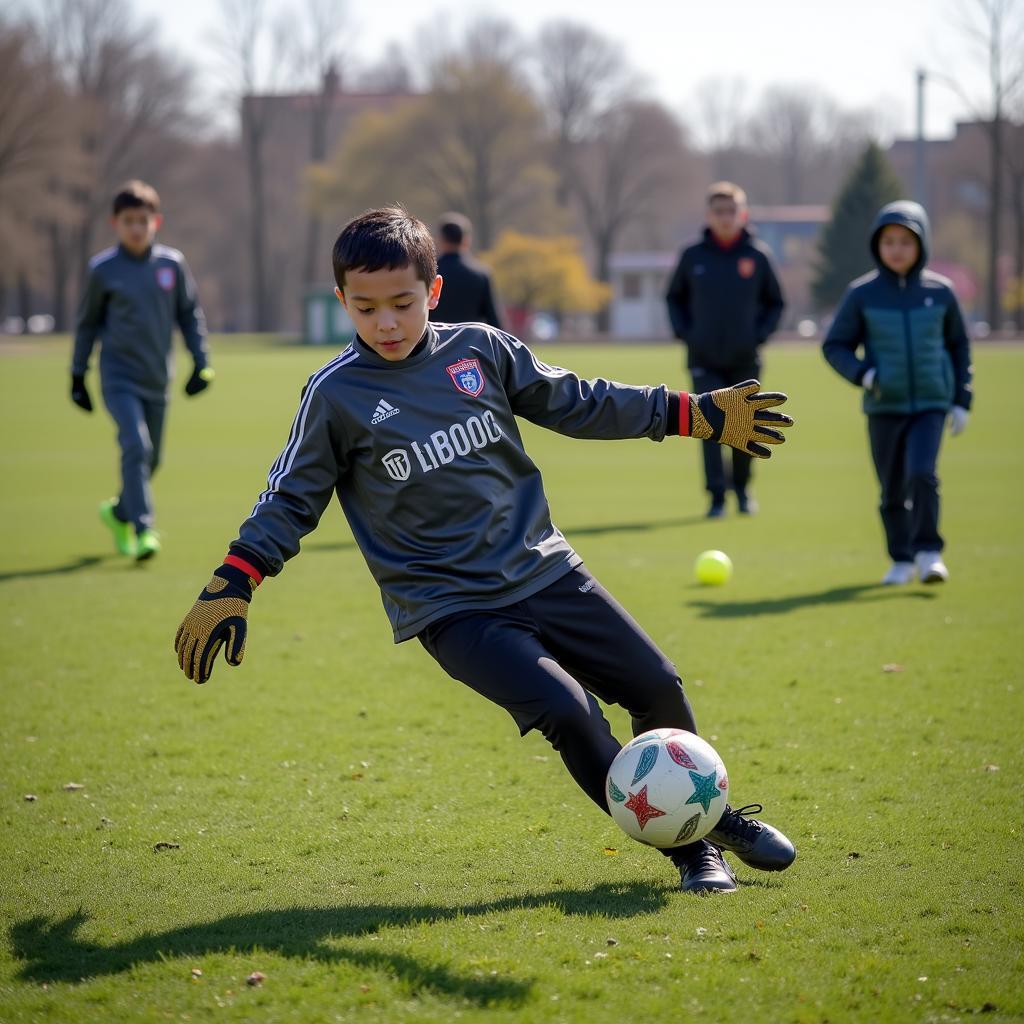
(713, 568)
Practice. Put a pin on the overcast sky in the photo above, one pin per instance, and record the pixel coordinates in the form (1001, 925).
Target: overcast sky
(863, 54)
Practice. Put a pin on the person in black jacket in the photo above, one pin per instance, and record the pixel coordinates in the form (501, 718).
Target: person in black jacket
(724, 300)
(468, 294)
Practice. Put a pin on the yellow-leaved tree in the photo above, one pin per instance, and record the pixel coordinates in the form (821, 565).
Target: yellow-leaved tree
(535, 273)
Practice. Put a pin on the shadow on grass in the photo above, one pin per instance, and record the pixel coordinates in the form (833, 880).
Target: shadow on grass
(51, 951)
(641, 527)
(84, 562)
(569, 531)
(781, 605)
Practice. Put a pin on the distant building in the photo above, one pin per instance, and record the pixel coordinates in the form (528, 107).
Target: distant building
(956, 195)
(956, 170)
(639, 279)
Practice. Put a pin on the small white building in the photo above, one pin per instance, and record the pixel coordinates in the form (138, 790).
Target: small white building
(638, 281)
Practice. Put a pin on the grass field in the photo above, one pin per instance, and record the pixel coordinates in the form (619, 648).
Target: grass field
(380, 844)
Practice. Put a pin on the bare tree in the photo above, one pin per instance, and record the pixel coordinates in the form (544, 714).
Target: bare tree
(1014, 151)
(34, 128)
(317, 33)
(253, 54)
(580, 73)
(30, 100)
(995, 29)
(789, 125)
(718, 118)
(474, 141)
(628, 166)
(391, 74)
(487, 129)
(130, 104)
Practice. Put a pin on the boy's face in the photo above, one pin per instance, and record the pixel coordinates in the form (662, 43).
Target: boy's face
(389, 308)
(898, 248)
(726, 218)
(136, 227)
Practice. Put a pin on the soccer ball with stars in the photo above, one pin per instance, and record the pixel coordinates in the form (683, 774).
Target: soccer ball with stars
(667, 788)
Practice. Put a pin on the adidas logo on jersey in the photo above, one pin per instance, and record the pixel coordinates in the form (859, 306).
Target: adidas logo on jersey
(383, 411)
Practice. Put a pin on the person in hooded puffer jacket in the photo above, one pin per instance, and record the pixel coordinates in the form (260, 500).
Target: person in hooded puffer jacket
(899, 335)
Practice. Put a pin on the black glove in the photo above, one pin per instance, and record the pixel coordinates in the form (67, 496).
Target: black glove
(737, 417)
(199, 381)
(217, 617)
(80, 393)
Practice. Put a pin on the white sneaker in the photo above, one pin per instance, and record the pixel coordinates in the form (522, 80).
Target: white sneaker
(898, 574)
(930, 567)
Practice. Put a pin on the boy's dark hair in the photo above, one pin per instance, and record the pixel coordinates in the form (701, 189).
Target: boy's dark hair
(385, 239)
(454, 228)
(134, 194)
(727, 190)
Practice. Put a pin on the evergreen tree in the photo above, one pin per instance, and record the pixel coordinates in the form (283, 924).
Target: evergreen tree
(843, 252)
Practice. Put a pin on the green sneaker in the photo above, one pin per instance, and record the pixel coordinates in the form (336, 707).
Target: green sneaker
(124, 535)
(147, 544)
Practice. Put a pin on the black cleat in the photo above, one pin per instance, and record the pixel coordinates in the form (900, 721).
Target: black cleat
(716, 510)
(703, 869)
(756, 843)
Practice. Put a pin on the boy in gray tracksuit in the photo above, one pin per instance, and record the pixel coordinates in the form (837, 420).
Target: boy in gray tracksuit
(135, 294)
(414, 427)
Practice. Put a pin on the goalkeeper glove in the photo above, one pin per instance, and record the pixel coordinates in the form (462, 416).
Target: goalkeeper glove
(217, 618)
(199, 381)
(738, 417)
(80, 393)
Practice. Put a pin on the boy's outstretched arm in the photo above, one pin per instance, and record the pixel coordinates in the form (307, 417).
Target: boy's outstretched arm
(739, 416)
(558, 399)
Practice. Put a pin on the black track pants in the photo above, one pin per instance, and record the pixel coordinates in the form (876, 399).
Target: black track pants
(545, 659)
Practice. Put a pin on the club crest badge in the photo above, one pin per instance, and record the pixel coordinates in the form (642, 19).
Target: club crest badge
(467, 376)
(166, 278)
(745, 266)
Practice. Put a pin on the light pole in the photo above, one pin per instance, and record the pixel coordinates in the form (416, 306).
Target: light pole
(920, 168)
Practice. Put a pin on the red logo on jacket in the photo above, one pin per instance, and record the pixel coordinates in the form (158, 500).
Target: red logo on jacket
(746, 266)
(467, 376)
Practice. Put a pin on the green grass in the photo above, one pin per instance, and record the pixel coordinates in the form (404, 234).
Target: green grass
(379, 842)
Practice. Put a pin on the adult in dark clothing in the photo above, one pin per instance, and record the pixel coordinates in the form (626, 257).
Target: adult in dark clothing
(724, 300)
(467, 295)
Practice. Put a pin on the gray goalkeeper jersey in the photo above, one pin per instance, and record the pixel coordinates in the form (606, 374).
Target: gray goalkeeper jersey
(427, 461)
(133, 303)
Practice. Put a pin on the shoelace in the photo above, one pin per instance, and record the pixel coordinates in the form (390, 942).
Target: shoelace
(698, 857)
(737, 825)
(710, 856)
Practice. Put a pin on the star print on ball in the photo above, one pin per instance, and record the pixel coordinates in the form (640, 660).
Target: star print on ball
(705, 789)
(683, 793)
(637, 803)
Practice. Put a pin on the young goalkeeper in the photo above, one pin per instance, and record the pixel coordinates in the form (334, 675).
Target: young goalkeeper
(414, 427)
